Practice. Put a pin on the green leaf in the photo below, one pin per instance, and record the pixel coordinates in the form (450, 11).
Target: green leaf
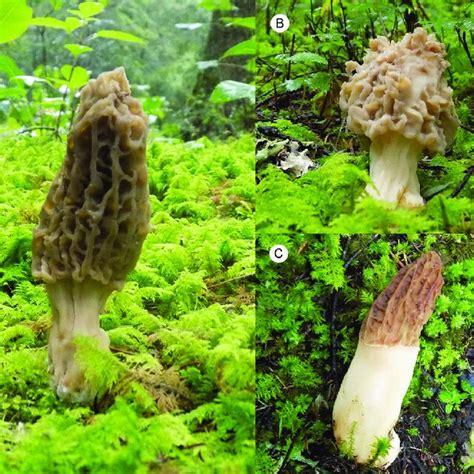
(49, 22)
(304, 57)
(436, 189)
(15, 17)
(78, 49)
(88, 9)
(12, 93)
(244, 48)
(72, 23)
(227, 91)
(76, 77)
(247, 22)
(211, 5)
(9, 66)
(119, 35)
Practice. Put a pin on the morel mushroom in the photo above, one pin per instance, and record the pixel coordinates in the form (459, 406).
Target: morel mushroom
(93, 222)
(400, 101)
(370, 397)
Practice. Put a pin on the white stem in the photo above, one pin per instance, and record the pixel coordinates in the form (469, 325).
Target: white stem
(368, 404)
(393, 164)
(76, 308)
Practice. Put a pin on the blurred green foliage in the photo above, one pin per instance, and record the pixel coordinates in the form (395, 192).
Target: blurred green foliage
(179, 383)
(299, 76)
(309, 313)
(161, 46)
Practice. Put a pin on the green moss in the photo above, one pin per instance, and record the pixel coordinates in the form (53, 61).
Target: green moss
(179, 383)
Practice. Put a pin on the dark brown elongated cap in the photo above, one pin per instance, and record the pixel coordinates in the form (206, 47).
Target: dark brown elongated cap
(402, 309)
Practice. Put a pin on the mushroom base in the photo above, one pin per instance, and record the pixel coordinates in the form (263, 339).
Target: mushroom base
(76, 308)
(393, 163)
(368, 403)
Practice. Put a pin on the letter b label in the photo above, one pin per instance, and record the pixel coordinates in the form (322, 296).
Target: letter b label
(279, 23)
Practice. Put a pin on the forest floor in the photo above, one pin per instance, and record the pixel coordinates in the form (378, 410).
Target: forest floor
(180, 377)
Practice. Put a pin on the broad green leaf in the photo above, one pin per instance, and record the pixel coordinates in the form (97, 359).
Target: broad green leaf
(15, 17)
(436, 189)
(247, 22)
(72, 23)
(9, 66)
(76, 77)
(244, 48)
(211, 5)
(49, 22)
(119, 35)
(227, 91)
(88, 9)
(12, 93)
(293, 84)
(78, 49)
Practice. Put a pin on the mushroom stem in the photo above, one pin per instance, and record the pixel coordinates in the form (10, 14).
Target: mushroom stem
(374, 386)
(76, 308)
(393, 163)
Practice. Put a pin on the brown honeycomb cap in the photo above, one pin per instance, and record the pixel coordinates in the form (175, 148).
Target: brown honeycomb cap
(400, 88)
(402, 309)
(96, 215)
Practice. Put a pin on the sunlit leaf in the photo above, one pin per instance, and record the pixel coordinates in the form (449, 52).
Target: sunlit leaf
(72, 23)
(76, 77)
(12, 92)
(49, 22)
(247, 22)
(244, 48)
(88, 9)
(227, 91)
(211, 5)
(78, 49)
(119, 35)
(15, 17)
(9, 66)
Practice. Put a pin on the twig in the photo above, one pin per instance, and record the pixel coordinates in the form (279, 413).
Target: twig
(471, 130)
(462, 184)
(30, 129)
(273, 132)
(332, 331)
(292, 49)
(463, 41)
(356, 254)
